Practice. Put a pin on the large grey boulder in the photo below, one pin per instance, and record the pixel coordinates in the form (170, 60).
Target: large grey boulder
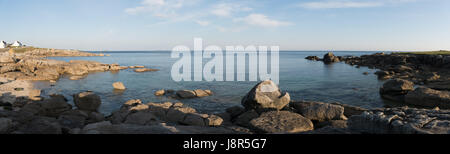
(88, 101)
(73, 119)
(427, 97)
(266, 96)
(281, 122)
(55, 105)
(396, 89)
(319, 111)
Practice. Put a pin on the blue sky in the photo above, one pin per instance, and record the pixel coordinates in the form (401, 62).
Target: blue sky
(291, 24)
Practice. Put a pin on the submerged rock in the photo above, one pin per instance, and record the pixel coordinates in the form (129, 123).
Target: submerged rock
(266, 96)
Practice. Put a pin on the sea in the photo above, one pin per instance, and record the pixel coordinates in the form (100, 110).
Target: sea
(302, 79)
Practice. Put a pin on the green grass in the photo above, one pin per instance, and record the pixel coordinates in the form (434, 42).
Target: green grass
(20, 49)
(441, 52)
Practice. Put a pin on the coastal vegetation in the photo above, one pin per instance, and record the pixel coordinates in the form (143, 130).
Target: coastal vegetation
(440, 52)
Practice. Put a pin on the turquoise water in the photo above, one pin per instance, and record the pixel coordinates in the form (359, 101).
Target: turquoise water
(303, 79)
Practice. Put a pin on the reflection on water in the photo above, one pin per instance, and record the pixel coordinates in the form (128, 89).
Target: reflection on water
(303, 79)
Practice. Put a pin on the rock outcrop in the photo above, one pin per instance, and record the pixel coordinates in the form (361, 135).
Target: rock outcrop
(330, 58)
(401, 121)
(313, 58)
(427, 97)
(32, 65)
(13, 90)
(151, 113)
(396, 89)
(140, 70)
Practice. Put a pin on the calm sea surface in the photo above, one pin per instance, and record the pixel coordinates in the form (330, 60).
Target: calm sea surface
(303, 79)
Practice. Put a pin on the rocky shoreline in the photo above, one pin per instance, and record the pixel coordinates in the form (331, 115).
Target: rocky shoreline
(265, 109)
(411, 79)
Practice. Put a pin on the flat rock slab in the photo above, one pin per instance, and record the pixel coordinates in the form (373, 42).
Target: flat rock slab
(429, 98)
(320, 111)
(281, 122)
(140, 70)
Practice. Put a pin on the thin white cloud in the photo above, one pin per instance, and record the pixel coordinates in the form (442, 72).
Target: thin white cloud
(339, 4)
(233, 29)
(202, 23)
(228, 9)
(158, 8)
(261, 20)
(154, 2)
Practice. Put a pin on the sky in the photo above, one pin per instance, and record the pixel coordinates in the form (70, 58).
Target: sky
(323, 25)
